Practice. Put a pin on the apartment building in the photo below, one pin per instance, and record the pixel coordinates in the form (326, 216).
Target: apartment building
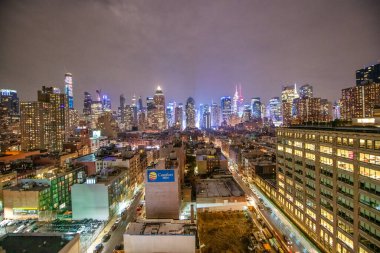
(328, 182)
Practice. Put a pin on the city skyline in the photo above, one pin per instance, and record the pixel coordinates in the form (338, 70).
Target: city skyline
(195, 55)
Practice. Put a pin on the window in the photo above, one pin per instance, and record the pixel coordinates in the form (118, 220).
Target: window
(345, 153)
(369, 144)
(345, 166)
(310, 156)
(377, 145)
(327, 215)
(367, 172)
(362, 143)
(309, 146)
(298, 153)
(325, 149)
(369, 158)
(326, 160)
(345, 239)
(326, 225)
(310, 213)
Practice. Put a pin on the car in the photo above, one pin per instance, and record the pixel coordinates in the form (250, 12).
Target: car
(287, 240)
(118, 248)
(106, 237)
(114, 227)
(98, 248)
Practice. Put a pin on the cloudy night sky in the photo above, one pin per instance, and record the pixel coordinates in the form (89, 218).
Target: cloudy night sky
(191, 48)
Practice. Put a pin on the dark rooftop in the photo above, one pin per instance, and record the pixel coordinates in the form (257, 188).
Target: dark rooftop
(356, 129)
(34, 243)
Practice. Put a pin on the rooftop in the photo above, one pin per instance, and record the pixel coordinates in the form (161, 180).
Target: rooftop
(221, 187)
(35, 243)
(140, 228)
(356, 129)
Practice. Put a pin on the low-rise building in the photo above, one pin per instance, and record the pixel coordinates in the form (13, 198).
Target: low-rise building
(146, 237)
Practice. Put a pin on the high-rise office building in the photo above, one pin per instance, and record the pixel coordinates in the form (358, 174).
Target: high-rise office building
(59, 124)
(289, 93)
(336, 109)
(328, 184)
(170, 114)
(256, 108)
(226, 108)
(359, 101)
(150, 112)
(128, 112)
(215, 115)
(274, 111)
(159, 102)
(87, 103)
(135, 110)
(367, 75)
(190, 113)
(307, 109)
(205, 117)
(121, 109)
(178, 116)
(69, 90)
(306, 91)
(140, 106)
(9, 118)
(106, 103)
(35, 125)
(247, 113)
(235, 101)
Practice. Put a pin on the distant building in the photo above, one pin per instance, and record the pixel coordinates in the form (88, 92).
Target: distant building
(226, 108)
(247, 113)
(306, 91)
(256, 108)
(9, 119)
(170, 110)
(69, 90)
(178, 116)
(106, 103)
(87, 103)
(159, 103)
(215, 115)
(190, 113)
(274, 111)
(367, 75)
(289, 93)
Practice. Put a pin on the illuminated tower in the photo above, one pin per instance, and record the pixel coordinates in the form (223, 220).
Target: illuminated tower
(190, 113)
(178, 116)
(256, 108)
(159, 102)
(69, 89)
(225, 104)
(235, 101)
(215, 115)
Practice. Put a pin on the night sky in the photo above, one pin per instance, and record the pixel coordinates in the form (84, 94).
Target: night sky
(191, 48)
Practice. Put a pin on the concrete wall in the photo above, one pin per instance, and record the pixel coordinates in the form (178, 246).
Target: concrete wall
(90, 201)
(20, 199)
(159, 243)
(162, 198)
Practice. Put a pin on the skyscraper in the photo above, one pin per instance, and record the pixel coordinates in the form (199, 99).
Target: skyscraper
(69, 90)
(170, 114)
(159, 102)
(247, 113)
(140, 104)
(150, 112)
(106, 103)
(87, 103)
(289, 93)
(9, 117)
(226, 107)
(274, 108)
(215, 115)
(190, 113)
(59, 124)
(121, 109)
(178, 116)
(205, 117)
(370, 74)
(235, 101)
(256, 108)
(306, 91)
(35, 125)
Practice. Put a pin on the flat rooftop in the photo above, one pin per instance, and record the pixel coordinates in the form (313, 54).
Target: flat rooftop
(86, 158)
(221, 187)
(32, 187)
(34, 243)
(141, 228)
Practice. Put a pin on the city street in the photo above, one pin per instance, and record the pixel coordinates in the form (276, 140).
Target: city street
(117, 235)
(278, 221)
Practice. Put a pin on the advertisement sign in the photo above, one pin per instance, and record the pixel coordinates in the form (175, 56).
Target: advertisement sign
(158, 176)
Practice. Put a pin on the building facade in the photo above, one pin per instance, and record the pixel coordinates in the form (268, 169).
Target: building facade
(328, 182)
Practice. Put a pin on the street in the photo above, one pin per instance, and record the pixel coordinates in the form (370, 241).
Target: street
(117, 234)
(277, 220)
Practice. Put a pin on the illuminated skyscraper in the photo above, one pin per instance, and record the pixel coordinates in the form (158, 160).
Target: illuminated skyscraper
(247, 113)
(59, 124)
(274, 109)
(106, 103)
(205, 117)
(159, 102)
(121, 109)
(178, 116)
(370, 74)
(9, 118)
(289, 93)
(235, 101)
(69, 90)
(190, 113)
(87, 103)
(170, 114)
(35, 125)
(150, 112)
(215, 115)
(226, 107)
(134, 112)
(140, 104)
(306, 91)
(256, 108)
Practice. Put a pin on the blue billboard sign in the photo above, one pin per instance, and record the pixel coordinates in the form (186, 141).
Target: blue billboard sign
(159, 176)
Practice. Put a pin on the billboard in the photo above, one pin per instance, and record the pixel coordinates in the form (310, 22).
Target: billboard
(158, 176)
